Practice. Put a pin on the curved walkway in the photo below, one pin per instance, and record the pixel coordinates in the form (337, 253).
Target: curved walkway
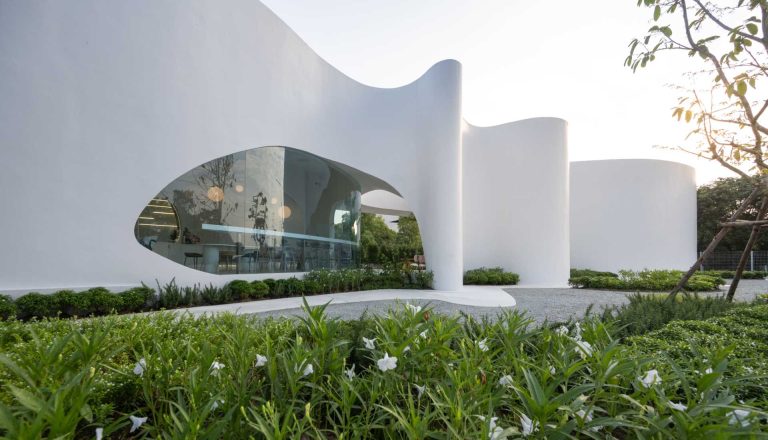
(488, 297)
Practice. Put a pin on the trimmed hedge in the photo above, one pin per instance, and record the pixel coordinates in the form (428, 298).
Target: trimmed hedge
(729, 274)
(100, 301)
(490, 276)
(577, 273)
(647, 280)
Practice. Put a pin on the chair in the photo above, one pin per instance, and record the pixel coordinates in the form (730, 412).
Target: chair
(194, 256)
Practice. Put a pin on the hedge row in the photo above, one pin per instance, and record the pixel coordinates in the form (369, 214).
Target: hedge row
(729, 274)
(100, 301)
(490, 276)
(646, 280)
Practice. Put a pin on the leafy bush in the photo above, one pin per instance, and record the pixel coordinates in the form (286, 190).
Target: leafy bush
(7, 307)
(137, 299)
(100, 301)
(35, 305)
(241, 290)
(169, 296)
(577, 273)
(646, 280)
(646, 313)
(239, 377)
(492, 276)
(729, 274)
(70, 303)
(260, 289)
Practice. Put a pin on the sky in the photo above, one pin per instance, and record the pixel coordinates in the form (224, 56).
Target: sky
(521, 59)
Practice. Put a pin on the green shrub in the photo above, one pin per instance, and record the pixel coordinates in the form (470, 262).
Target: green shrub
(169, 296)
(646, 280)
(260, 289)
(270, 284)
(646, 313)
(312, 287)
(7, 307)
(70, 303)
(101, 301)
(241, 289)
(137, 299)
(576, 273)
(491, 276)
(294, 286)
(35, 305)
(729, 274)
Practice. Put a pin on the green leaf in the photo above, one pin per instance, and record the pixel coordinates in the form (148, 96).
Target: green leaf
(657, 14)
(666, 31)
(688, 115)
(741, 88)
(27, 399)
(752, 28)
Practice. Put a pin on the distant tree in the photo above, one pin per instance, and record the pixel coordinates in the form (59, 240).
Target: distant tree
(408, 233)
(726, 100)
(716, 203)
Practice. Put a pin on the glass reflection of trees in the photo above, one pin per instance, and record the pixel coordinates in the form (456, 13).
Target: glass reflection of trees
(270, 209)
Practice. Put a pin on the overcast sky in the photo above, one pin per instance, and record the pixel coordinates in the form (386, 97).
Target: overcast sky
(521, 59)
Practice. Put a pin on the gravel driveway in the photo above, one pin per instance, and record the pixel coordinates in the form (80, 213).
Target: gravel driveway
(541, 304)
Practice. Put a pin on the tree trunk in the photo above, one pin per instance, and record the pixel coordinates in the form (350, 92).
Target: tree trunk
(715, 241)
(747, 250)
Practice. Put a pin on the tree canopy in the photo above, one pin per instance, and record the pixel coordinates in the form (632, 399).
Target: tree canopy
(381, 245)
(716, 202)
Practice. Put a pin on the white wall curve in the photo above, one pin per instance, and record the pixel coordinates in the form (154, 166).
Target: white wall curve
(515, 198)
(632, 214)
(105, 102)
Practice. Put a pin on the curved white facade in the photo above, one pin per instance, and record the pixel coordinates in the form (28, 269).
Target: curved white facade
(516, 199)
(632, 214)
(106, 102)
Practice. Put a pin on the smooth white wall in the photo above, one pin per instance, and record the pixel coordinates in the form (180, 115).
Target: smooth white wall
(516, 199)
(104, 102)
(632, 214)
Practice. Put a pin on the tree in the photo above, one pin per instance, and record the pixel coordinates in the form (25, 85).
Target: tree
(716, 202)
(380, 244)
(408, 233)
(725, 99)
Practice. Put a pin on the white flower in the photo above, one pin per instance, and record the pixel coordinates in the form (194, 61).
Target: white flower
(350, 372)
(587, 417)
(261, 360)
(407, 349)
(369, 343)
(708, 371)
(552, 370)
(506, 380)
(141, 365)
(677, 406)
(562, 330)
(215, 367)
(136, 422)
(529, 426)
(582, 398)
(412, 308)
(99, 433)
(738, 417)
(483, 345)
(216, 403)
(387, 363)
(577, 331)
(651, 377)
(583, 348)
(420, 389)
(309, 369)
(423, 334)
(494, 432)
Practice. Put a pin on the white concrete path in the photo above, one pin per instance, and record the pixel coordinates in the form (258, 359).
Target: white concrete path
(477, 296)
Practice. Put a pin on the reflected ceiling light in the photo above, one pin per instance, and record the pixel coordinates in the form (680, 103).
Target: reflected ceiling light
(284, 212)
(154, 225)
(158, 206)
(147, 218)
(163, 213)
(239, 188)
(274, 200)
(215, 193)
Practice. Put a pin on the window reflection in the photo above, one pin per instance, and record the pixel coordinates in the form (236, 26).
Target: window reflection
(270, 209)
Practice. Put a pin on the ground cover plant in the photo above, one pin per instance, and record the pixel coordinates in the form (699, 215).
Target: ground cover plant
(491, 276)
(100, 301)
(410, 373)
(645, 280)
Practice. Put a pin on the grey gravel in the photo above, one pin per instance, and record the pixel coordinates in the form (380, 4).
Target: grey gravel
(540, 303)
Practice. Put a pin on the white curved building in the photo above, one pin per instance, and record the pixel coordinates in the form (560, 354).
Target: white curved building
(210, 133)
